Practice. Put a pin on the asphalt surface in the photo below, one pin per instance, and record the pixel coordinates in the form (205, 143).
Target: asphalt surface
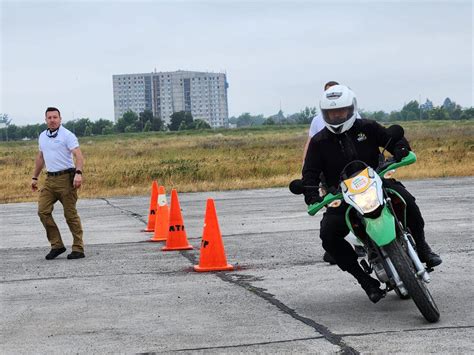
(127, 296)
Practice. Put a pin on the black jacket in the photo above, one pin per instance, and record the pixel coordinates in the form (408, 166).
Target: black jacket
(328, 153)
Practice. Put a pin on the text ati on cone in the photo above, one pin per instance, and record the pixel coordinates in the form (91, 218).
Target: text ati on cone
(177, 239)
(152, 211)
(162, 218)
(212, 255)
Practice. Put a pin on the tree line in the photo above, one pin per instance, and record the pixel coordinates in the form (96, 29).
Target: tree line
(83, 127)
(449, 110)
(146, 122)
(410, 111)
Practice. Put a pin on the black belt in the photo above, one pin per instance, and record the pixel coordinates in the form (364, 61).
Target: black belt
(57, 173)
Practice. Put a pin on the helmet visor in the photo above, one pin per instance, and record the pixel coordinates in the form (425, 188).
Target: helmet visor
(338, 116)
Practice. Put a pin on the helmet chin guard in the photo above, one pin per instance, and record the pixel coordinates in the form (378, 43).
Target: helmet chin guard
(341, 128)
(338, 97)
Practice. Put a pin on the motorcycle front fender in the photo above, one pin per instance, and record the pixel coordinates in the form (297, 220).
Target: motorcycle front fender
(381, 229)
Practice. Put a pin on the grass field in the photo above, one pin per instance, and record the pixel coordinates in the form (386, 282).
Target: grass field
(221, 160)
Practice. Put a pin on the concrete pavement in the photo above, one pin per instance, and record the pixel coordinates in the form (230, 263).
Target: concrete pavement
(127, 296)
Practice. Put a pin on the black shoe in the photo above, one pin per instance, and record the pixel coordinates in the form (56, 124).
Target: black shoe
(54, 253)
(372, 289)
(431, 259)
(427, 256)
(360, 251)
(76, 255)
(329, 259)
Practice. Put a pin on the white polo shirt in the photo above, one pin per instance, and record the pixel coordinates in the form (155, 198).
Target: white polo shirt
(57, 152)
(317, 124)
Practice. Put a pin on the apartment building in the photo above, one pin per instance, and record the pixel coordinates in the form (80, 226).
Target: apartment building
(201, 93)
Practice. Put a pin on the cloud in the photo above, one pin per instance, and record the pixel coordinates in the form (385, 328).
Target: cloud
(65, 53)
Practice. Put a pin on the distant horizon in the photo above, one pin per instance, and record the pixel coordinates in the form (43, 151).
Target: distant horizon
(251, 113)
(273, 53)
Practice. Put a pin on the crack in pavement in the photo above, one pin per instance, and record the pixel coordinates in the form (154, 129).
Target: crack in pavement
(305, 339)
(130, 213)
(406, 330)
(172, 272)
(244, 282)
(248, 344)
(141, 218)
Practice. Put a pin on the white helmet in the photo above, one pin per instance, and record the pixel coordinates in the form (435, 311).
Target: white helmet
(335, 98)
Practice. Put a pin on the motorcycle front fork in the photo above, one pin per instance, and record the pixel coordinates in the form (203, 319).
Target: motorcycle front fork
(381, 267)
(421, 272)
(384, 270)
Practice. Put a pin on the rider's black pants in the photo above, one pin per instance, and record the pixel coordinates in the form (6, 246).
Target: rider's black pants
(334, 229)
(332, 233)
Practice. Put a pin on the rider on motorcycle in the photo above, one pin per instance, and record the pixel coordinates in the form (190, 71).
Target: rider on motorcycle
(343, 140)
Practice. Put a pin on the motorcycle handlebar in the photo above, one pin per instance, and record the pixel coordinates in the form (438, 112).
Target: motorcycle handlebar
(297, 187)
(313, 209)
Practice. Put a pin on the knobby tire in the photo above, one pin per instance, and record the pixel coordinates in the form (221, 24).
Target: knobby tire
(415, 286)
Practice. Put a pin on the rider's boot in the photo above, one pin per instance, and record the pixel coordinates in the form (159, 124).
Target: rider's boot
(427, 255)
(370, 285)
(328, 258)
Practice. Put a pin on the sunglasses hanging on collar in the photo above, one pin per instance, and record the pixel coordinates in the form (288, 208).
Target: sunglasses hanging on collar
(52, 134)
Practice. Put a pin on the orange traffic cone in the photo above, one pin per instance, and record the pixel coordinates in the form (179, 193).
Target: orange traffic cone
(152, 212)
(162, 218)
(212, 254)
(177, 239)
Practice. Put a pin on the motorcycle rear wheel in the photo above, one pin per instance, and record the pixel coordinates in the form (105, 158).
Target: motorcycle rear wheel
(416, 287)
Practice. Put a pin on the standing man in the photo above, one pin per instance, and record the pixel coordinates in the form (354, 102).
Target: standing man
(57, 146)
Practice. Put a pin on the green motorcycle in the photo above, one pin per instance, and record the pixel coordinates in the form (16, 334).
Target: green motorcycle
(376, 216)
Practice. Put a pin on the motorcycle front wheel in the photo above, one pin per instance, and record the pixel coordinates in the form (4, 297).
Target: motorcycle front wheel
(401, 295)
(415, 286)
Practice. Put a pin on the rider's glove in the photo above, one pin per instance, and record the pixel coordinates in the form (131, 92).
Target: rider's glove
(400, 153)
(312, 198)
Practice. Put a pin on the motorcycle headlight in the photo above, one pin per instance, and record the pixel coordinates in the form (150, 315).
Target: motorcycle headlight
(368, 200)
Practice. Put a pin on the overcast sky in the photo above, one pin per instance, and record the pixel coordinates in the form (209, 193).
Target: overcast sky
(389, 52)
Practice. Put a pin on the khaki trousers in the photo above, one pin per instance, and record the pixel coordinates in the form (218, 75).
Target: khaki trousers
(60, 188)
